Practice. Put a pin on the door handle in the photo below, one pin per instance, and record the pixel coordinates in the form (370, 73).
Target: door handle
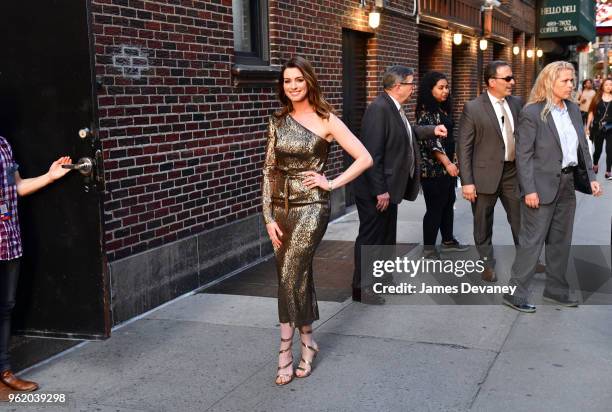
(84, 166)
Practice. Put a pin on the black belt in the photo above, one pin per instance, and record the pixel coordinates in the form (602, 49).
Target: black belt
(568, 169)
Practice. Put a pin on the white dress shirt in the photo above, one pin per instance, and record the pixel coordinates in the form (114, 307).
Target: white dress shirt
(567, 135)
(498, 113)
(409, 130)
(399, 109)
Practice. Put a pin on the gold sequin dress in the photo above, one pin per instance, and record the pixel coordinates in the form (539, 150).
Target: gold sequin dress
(301, 213)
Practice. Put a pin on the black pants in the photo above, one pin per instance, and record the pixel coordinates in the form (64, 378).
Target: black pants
(9, 276)
(439, 193)
(598, 143)
(375, 228)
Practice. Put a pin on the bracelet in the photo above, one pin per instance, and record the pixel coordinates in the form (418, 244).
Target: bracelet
(330, 184)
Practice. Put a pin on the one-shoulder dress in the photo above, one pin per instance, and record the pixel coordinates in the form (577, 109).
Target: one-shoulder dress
(301, 213)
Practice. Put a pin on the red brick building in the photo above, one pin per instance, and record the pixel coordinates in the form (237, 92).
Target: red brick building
(188, 88)
(508, 31)
(180, 92)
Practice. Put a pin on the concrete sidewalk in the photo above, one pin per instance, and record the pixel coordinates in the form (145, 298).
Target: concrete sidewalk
(219, 352)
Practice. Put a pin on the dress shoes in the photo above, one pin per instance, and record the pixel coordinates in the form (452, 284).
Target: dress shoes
(488, 274)
(367, 296)
(518, 303)
(5, 391)
(453, 246)
(431, 254)
(9, 379)
(387, 280)
(563, 299)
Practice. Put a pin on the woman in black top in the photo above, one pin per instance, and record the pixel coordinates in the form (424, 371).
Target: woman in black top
(438, 165)
(599, 125)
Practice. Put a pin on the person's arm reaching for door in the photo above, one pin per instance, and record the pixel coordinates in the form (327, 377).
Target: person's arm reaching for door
(31, 185)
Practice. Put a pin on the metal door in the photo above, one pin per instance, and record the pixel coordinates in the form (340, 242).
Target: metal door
(47, 95)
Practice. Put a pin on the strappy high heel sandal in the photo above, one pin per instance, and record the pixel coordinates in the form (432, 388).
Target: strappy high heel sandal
(315, 351)
(290, 363)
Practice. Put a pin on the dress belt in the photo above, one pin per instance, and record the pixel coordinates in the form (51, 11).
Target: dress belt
(287, 176)
(568, 169)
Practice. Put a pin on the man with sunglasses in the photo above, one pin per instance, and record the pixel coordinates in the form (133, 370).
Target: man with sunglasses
(486, 153)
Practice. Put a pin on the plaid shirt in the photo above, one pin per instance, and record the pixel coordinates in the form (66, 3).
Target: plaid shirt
(10, 237)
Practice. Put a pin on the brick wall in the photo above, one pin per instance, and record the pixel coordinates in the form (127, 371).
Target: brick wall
(396, 42)
(436, 53)
(530, 64)
(465, 73)
(183, 147)
(524, 21)
(518, 65)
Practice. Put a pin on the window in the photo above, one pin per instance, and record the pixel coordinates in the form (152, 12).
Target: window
(251, 31)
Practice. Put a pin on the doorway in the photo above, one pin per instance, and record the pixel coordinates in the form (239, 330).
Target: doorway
(354, 91)
(47, 95)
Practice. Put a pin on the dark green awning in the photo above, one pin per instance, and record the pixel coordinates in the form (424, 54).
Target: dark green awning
(567, 18)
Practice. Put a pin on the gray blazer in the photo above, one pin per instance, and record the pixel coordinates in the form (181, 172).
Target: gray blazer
(538, 151)
(480, 144)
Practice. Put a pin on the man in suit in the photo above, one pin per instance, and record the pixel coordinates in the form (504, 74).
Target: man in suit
(486, 154)
(550, 146)
(392, 142)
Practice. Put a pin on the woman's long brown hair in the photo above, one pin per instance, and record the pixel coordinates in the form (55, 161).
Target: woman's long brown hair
(315, 98)
(597, 98)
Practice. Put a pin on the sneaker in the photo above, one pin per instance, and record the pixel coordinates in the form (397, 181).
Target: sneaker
(453, 246)
(595, 169)
(562, 299)
(608, 176)
(518, 303)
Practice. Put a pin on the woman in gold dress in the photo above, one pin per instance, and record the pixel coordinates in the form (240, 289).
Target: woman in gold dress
(296, 197)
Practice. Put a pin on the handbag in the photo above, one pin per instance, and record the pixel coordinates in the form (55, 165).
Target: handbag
(605, 127)
(582, 183)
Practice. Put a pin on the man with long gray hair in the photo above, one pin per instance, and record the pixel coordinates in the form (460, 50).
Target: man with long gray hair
(392, 142)
(553, 161)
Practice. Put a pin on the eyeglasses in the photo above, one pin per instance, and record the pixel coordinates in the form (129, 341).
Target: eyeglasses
(408, 83)
(507, 78)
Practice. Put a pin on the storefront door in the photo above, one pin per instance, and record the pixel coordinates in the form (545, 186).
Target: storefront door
(47, 95)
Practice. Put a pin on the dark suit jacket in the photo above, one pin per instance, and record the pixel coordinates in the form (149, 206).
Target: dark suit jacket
(384, 135)
(539, 154)
(480, 144)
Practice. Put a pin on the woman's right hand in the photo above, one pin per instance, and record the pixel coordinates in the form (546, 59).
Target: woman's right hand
(452, 169)
(275, 234)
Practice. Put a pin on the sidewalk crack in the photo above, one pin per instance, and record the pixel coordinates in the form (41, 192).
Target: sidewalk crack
(497, 353)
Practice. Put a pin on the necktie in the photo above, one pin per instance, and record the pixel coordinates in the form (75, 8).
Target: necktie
(508, 128)
(409, 131)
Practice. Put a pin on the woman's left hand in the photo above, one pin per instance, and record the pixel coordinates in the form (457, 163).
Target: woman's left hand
(313, 179)
(452, 169)
(440, 131)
